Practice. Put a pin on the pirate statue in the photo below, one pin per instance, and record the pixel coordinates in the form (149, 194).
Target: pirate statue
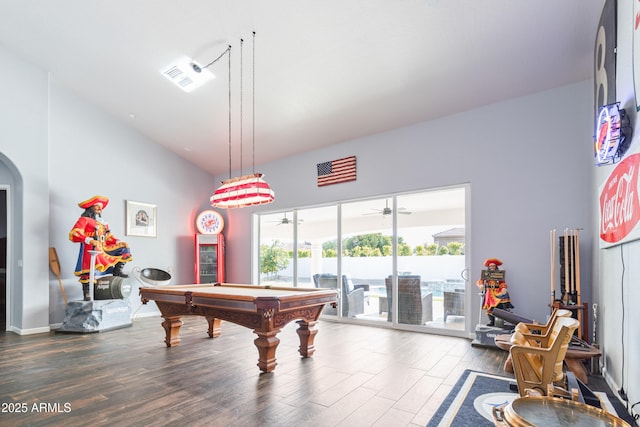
(494, 289)
(93, 234)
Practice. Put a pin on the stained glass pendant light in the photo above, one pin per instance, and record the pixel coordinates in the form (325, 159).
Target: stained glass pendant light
(243, 191)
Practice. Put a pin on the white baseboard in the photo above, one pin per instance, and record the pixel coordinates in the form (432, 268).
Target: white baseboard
(610, 382)
(32, 331)
(146, 314)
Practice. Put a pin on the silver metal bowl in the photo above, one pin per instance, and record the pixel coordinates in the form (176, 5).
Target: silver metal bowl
(152, 276)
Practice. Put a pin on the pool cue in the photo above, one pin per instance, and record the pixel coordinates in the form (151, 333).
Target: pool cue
(581, 315)
(595, 323)
(565, 293)
(577, 239)
(571, 265)
(54, 263)
(552, 238)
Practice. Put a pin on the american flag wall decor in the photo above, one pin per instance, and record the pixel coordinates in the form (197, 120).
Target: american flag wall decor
(333, 172)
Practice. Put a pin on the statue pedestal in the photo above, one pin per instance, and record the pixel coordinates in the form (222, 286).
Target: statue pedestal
(485, 336)
(96, 316)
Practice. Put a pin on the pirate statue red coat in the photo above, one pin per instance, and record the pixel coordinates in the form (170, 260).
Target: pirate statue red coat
(494, 289)
(92, 233)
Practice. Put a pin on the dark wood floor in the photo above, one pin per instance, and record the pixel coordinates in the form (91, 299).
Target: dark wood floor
(359, 376)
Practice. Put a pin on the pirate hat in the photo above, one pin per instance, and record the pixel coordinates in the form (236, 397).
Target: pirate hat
(490, 261)
(102, 200)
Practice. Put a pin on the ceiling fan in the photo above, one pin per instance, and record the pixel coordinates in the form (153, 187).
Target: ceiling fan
(387, 210)
(285, 221)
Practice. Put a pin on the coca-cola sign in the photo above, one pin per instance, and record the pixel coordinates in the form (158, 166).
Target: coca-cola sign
(619, 203)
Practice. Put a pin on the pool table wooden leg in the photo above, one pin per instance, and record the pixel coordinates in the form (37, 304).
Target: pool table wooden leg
(307, 333)
(267, 342)
(214, 326)
(171, 327)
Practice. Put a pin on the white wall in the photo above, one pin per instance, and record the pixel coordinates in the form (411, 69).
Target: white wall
(23, 148)
(123, 165)
(528, 162)
(64, 150)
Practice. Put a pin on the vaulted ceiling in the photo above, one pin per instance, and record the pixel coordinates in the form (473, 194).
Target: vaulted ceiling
(325, 71)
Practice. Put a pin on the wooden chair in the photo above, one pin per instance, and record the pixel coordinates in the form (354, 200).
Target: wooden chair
(538, 361)
(533, 328)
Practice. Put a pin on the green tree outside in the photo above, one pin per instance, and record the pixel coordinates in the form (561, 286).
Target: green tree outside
(273, 259)
(375, 245)
(304, 253)
(455, 248)
(443, 250)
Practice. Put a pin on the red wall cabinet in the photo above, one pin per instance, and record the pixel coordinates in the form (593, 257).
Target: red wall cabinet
(209, 258)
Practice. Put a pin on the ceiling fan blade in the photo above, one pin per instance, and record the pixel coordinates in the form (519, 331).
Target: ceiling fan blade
(287, 221)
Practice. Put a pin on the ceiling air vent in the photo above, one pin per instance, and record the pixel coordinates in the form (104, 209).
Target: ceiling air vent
(182, 74)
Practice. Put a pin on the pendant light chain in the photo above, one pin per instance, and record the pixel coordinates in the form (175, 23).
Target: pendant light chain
(246, 190)
(229, 111)
(241, 96)
(253, 113)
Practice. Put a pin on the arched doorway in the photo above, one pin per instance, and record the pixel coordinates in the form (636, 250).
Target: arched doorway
(10, 248)
(3, 259)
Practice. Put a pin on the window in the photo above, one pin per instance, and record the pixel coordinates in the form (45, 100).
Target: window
(401, 253)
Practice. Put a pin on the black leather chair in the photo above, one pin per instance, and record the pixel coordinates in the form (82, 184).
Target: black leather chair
(414, 307)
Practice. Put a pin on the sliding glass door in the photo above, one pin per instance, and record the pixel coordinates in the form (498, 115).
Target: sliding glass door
(396, 260)
(431, 247)
(317, 250)
(366, 258)
(276, 257)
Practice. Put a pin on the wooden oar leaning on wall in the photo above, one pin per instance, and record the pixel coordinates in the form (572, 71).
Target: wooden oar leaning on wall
(55, 267)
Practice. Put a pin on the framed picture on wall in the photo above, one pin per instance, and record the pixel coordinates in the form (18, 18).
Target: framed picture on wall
(141, 219)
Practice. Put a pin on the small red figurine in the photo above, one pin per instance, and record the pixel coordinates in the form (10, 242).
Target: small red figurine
(494, 289)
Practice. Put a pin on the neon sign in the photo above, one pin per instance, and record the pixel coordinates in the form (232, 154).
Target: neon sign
(612, 136)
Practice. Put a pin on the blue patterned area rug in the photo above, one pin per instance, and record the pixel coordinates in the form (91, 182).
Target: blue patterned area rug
(471, 401)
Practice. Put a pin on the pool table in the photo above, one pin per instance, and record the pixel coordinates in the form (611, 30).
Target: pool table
(265, 309)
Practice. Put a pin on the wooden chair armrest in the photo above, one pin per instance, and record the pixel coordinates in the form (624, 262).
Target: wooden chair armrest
(538, 351)
(537, 339)
(542, 329)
